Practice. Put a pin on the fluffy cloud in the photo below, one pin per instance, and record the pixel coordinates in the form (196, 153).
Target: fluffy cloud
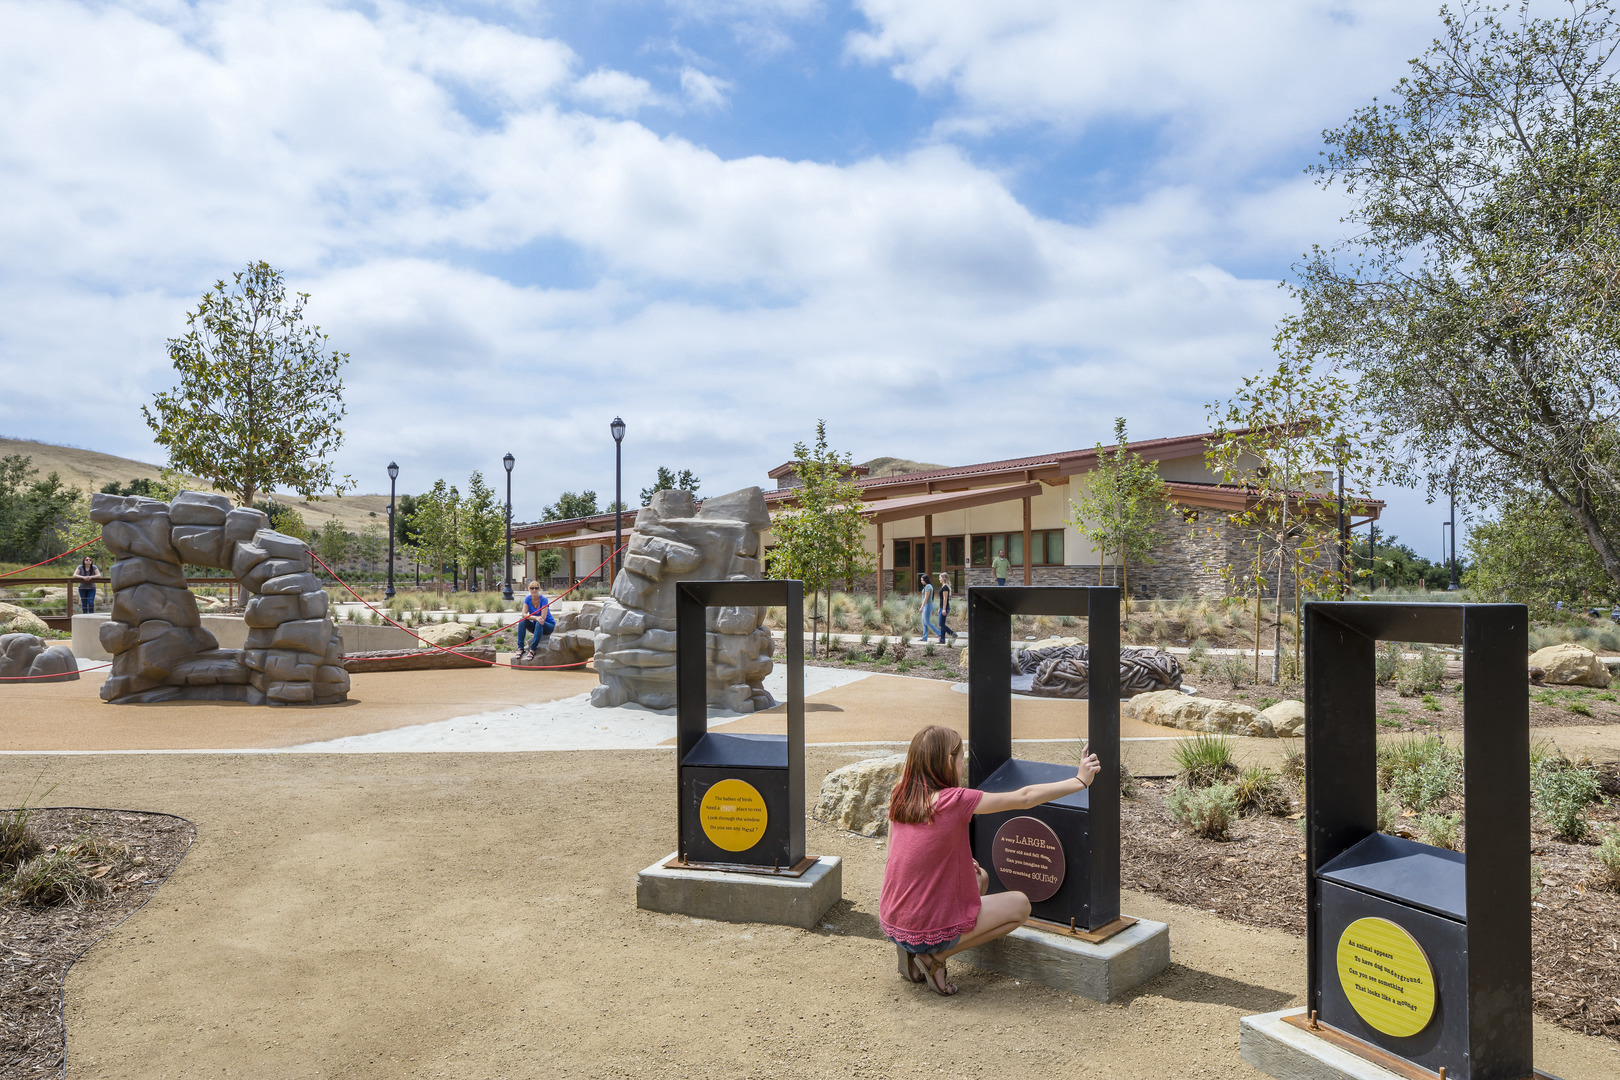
(510, 261)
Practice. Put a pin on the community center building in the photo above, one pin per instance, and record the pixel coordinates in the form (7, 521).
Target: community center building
(958, 519)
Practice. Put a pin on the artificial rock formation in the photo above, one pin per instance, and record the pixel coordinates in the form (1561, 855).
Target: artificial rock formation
(572, 642)
(160, 650)
(26, 656)
(674, 541)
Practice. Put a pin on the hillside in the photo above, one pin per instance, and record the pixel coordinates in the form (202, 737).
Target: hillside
(894, 466)
(88, 470)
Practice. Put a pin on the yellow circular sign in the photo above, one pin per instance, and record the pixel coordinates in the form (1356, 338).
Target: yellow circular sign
(1386, 975)
(733, 815)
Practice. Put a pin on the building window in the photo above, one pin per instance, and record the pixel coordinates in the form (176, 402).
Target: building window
(1046, 546)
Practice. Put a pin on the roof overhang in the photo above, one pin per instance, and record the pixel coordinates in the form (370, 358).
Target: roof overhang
(912, 506)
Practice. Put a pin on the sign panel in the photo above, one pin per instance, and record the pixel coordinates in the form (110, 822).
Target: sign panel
(1386, 975)
(733, 815)
(1028, 858)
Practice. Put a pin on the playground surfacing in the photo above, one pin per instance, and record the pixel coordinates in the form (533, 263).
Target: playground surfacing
(472, 915)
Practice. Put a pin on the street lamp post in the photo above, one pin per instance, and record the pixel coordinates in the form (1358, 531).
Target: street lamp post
(393, 474)
(617, 427)
(506, 590)
(1453, 558)
(455, 542)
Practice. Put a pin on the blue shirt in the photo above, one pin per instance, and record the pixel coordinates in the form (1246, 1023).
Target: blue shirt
(530, 605)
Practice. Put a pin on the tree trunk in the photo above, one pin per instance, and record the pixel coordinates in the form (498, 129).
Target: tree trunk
(1581, 508)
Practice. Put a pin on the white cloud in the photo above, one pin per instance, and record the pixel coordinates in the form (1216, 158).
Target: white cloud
(720, 304)
(616, 92)
(704, 90)
(1226, 79)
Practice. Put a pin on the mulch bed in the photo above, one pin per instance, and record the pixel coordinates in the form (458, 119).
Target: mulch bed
(915, 662)
(38, 945)
(1257, 878)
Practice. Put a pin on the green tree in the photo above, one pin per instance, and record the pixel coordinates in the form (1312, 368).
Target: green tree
(333, 542)
(1535, 553)
(1476, 294)
(821, 537)
(1123, 505)
(259, 399)
(36, 515)
(482, 521)
(1281, 435)
(1388, 561)
(668, 480)
(546, 562)
(569, 505)
(436, 520)
(372, 545)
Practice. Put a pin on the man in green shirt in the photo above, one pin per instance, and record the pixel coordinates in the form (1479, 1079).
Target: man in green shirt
(1000, 566)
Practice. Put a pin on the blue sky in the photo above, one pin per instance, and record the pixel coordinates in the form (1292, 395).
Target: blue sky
(958, 231)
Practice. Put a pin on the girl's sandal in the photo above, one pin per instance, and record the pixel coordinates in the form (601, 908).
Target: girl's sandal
(938, 978)
(909, 966)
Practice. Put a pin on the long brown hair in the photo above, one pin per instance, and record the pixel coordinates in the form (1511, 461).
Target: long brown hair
(928, 769)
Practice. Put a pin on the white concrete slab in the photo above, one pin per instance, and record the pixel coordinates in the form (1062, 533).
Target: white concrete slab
(567, 724)
(1282, 1050)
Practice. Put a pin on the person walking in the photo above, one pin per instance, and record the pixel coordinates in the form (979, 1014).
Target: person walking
(927, 605)
(933, 903)
(86, 576)
(537, 618)
(999, 567)
(944, 597)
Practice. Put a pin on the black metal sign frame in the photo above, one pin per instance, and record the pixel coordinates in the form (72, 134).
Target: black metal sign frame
(1341, 793)
(692, 601)
(990, 614)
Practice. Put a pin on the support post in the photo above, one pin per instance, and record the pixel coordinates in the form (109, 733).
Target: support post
(1029, 556)
(880, 562)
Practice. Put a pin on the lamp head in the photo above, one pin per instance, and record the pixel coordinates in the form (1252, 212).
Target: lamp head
(393, 471)
(507, 461)
(617, 427)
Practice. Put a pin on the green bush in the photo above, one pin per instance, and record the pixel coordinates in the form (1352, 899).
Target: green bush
(1562, 791)
(1423, 675)
(1389, 812)
(1234, 669)
(1260, 790)
(1206, 811)
(1608, 860)
(1442, 830)
(1196, 654)
(1420, 772)
(1205, 760)
(1387, 662)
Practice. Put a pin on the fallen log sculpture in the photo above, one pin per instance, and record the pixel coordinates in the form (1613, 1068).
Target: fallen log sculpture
(419, 659)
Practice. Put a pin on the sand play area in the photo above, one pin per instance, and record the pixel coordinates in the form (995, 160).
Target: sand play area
(391, 899)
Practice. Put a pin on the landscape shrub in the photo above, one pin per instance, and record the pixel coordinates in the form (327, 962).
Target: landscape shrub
(1442, 830)
(1386, 663)
(18, 841)
(1293, 762)
(1389, 812)
(1414, 677)
(1420, 772)
(1196, 654)
(1260, 790)
(1561, 791)
(1205, 760)
(1234, 669)
(1206, 812)
(1608, 860)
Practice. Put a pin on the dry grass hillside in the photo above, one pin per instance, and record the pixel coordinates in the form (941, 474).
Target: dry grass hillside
(893, 466)
(88, 470)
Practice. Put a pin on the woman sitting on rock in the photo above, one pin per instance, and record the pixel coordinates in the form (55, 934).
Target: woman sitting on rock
(537, 619)
(933, 903)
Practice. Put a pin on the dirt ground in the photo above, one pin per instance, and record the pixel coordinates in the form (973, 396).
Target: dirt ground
(470, 916)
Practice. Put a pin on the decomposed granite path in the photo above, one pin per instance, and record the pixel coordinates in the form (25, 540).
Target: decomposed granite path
(473, 916)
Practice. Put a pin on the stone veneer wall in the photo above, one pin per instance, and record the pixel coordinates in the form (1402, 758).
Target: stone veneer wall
(160, 650)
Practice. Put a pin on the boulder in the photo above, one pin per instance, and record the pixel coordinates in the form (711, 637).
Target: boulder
(56, 663)
(1287, 718)
(147, 538)
(117, 637)
(200, 545)
(243, 524)
(17, 652)
(1570, 665)
(198, 508)
(856, 796)
(446, 634)
(1172, 708)
(133, 571)
(562, 649)
(174, 606)
(19, 620)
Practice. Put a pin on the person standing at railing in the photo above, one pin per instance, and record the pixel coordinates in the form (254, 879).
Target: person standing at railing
(85, 576)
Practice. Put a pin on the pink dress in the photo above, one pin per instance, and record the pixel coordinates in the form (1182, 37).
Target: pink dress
(930, 894)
